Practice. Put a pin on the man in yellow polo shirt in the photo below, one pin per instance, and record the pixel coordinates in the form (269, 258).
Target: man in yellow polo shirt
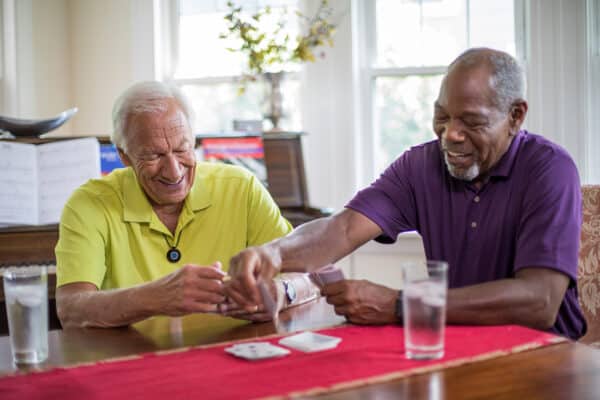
(150, 239)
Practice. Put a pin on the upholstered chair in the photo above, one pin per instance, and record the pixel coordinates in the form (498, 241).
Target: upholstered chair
(588, 269)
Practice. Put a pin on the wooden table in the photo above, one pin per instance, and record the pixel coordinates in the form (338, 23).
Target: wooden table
(563, 371)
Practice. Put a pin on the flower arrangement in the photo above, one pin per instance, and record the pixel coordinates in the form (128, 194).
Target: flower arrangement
(268, 50)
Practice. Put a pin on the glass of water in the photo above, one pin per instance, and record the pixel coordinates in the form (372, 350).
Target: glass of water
(26, 296)
(424, 308)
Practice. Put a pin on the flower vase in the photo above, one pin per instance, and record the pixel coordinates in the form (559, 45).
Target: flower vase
(274, 98)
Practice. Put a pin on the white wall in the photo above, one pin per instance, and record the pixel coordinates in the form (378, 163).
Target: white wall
(101, 60)
(51, 66)
(79, 53)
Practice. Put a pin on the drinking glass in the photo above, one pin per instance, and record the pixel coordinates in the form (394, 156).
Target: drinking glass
(424, 308)
(26, 296)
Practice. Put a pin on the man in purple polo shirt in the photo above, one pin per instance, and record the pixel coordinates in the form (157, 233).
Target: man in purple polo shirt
(501, 205)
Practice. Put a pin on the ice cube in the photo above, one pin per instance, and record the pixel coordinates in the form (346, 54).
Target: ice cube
(29, 296)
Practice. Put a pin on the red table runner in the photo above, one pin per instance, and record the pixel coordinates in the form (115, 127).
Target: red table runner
(365, 355)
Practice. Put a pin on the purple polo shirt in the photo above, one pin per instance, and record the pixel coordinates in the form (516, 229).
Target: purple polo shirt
(527, 215)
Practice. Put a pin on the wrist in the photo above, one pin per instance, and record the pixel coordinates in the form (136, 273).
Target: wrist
(290, 293)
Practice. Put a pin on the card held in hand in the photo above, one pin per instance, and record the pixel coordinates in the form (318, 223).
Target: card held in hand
(268, 301)
(327, 274)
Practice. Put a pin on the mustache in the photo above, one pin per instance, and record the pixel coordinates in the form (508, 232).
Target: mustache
(457, 149)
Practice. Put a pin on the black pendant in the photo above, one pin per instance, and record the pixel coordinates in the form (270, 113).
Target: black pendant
(173, 255)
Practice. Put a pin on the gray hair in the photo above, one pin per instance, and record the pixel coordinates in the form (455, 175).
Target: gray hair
(146, 97)
(508, 77)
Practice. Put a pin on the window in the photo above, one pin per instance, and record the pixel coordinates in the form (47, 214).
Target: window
(209, 74)
(410, 43)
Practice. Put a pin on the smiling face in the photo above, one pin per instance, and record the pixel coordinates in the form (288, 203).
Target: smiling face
(161, 152)
(474, 134)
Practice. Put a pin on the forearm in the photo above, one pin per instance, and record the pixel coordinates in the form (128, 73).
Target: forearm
(105, 308)
(324, 241)
(506, 301)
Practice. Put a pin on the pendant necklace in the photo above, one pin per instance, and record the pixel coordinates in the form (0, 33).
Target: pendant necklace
(173, 254)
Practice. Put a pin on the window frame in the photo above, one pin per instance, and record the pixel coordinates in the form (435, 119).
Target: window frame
(367, 29)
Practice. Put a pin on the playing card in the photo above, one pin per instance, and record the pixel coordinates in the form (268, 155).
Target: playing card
(268, 301)
(256, 351)
(327, 274)
(310, 341)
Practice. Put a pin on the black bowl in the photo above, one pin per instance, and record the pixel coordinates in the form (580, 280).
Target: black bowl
(34, 127)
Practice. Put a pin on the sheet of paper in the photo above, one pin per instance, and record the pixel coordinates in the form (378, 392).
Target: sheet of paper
(18, 184)
(63, 167)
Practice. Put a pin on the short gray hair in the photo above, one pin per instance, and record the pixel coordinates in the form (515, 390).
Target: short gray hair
(146, 97)
(508, 77)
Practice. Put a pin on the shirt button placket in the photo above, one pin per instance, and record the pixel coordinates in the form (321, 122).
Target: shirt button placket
(474, 215)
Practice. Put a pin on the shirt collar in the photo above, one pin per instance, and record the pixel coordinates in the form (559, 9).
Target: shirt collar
(504, 167)
(137, 208)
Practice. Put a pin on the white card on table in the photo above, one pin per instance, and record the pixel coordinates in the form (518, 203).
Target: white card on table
(310, 341)
(257, 351)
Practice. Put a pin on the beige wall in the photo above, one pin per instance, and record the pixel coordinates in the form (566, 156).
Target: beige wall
(101, 60)
(76, 53)
(51, 66)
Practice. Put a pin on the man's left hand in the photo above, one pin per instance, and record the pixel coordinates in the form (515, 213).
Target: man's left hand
(362, 302)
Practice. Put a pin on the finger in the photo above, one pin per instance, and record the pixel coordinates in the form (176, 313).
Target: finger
(207, 285)
(199, 307)
(201, 296)
(337, 300)
(235, 291)
(335, 288)
(209, 272)
(342, 310)
(228, 306)
(245, 266)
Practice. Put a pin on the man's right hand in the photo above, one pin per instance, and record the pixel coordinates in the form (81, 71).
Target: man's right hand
(190, 289)
(262, 262)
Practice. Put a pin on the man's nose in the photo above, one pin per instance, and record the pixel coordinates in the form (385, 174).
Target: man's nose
(453, 131)
(172, 168)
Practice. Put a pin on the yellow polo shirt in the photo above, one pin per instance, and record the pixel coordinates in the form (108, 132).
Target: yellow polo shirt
(110, 236)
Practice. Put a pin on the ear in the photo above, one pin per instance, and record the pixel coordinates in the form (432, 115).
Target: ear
(518, 111)
(124, 157)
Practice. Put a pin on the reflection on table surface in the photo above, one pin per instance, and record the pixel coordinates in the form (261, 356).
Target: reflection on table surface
(82, 345)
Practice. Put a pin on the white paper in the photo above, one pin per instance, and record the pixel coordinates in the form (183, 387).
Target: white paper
(63, 167)
(37, 180)
(18, 183)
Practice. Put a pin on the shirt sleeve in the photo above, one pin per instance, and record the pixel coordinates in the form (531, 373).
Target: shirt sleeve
(80, 251)
(265, 222)
(550, 223)
(389, 201)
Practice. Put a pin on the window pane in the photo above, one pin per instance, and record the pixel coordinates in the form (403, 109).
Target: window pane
(201, 53)
(403, 115)
(420, 33)
(492, 24)
(414, 33)
(217, 105)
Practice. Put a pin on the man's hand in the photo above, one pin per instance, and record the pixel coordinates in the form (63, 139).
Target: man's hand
(245, 269)
(190, 289)
(260, 314)
(362, 302)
